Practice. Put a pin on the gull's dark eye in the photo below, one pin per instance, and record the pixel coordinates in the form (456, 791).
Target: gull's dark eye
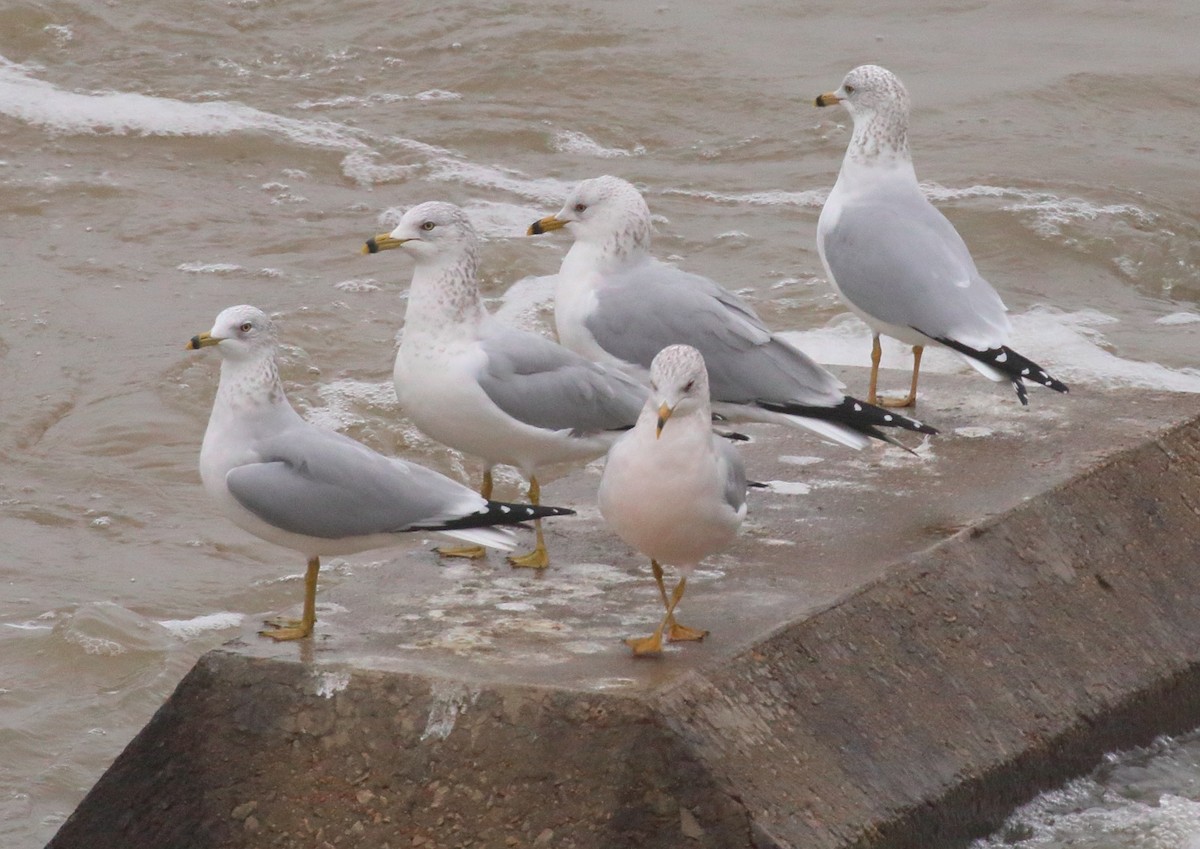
(428, 225)
(581, 208)
(691, 384)
(246, 327)
(849, 88)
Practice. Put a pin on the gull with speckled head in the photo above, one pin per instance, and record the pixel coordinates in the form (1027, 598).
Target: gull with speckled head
(505, 395)
(895, 260)
(316, 491)
(671, 488)
(615, 304)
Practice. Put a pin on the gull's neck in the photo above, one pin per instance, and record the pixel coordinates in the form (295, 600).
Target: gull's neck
(250, 400)
(250, 386)
(444, 295)
(617, 248)
(879, 148)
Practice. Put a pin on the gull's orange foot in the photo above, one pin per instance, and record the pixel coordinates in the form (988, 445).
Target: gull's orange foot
(646, 646)
(682, 633)
(471, 552)
(279, 635)
(536, 559)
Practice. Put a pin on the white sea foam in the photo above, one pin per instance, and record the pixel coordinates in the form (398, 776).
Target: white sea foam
(1179, 318)
(198, 625)
(1067, 343)
(570, 141)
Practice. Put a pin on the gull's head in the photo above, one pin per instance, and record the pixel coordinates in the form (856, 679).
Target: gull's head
(239, 333)
(678, 384)
(429, 231)
(870, 90)
(600, 210)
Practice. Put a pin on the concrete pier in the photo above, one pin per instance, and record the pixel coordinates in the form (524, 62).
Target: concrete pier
(903, 648)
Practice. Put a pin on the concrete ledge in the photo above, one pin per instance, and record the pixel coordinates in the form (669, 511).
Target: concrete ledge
(914, 712)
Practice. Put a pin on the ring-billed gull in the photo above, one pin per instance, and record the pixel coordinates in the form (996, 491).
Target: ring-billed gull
(895, 260)
(471, 382)
(615, 304)
(671, 488)
(314, 490)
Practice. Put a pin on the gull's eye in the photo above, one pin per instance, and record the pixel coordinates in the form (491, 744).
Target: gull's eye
(246, 327)
(653, 386)
(849, 88)
(581, 208)
(689, 386)
(427, 226)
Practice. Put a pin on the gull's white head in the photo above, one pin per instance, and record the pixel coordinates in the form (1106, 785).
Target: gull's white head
(879, 105)
(678, 384)
(605, 211)
(430, 231)
(239, 333)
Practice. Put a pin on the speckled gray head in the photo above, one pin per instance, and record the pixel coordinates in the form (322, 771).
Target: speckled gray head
(239, 332)
(429, 230)
(678, 383)
(605, 211)
(879, 104)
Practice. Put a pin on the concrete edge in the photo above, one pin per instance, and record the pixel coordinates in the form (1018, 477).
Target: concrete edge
(916, 712)
(1001, 662)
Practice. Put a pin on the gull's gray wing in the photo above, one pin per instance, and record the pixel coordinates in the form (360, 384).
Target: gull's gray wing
(729, 462)
(543, 384)
(642, 310)
(322, 484)
(898, 259)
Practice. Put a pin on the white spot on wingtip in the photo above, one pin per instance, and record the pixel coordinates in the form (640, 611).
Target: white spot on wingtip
(858, 408)
(888, 417)
(505, 510)
(1002, 357)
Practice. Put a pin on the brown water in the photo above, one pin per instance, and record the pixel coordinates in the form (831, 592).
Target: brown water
(163, 160)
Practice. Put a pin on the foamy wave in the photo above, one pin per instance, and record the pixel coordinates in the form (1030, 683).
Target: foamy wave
(812, 199)
(570, 141)
(127, 113)
(1179, 318)
(1068, 344)
(186, 628)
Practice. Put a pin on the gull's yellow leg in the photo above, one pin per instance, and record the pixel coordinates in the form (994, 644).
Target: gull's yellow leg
(911, 399)
(471, 552)
(876, 356)
(643, 646)
(297, 630)
(681, 633)
(677, 633)
(538, 558)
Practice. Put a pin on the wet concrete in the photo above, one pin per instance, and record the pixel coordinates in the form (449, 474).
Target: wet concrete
(902, 648)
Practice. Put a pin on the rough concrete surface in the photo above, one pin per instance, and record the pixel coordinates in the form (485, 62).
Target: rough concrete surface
(903, 647)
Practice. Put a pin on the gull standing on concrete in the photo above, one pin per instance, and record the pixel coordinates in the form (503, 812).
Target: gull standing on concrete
(615, 304)
(895, 260)
(505, 395)
(313, 490)
(671, 488)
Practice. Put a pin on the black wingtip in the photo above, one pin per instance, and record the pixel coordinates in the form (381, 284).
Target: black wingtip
(1017, 367)
(859, 416)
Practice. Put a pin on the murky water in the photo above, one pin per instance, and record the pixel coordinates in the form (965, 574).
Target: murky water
(1147, 798)
(162, 160)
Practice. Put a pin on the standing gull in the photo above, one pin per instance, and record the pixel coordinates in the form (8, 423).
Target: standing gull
(895, 260)
(671, 488)
(313, 490)
(616, 304)
(505, 395)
